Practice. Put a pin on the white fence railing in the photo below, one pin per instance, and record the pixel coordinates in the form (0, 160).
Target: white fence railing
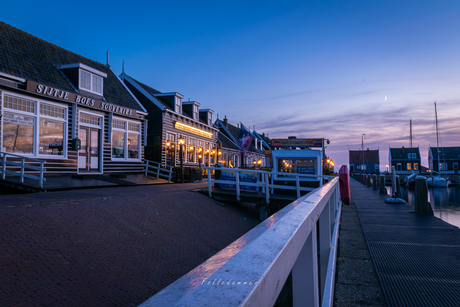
(22, 167)
(157, 169)
(302, 238)
(265, 180)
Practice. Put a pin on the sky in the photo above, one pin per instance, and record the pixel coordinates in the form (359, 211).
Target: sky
(311, 69)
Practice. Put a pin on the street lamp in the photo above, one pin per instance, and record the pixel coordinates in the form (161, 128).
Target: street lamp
(181, 140)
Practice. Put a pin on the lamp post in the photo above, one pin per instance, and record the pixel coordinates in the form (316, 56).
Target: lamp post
(181, 142)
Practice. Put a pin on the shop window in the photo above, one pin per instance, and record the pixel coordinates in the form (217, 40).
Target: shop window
(301, 166)
(21, 124)
(90, 119)
(125, 139)
(90, 82)
(18, 133)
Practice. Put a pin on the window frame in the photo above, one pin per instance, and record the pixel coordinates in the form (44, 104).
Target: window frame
(91, 82)
(126, 132)
(36, 126)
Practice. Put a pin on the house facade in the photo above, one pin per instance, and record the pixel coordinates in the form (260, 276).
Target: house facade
(175, 123)
(251, 152)
(445, 160)
(366, 161)
(406, 161)
(67, 110)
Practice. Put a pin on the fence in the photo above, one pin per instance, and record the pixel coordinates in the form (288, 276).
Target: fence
(302, 238)
(23, 167)
(157, 169)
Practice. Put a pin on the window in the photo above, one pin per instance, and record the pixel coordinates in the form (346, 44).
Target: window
(91, 82)
(443, 166)
(26, 132)
(178, 103)
(195, 112)
(191, 150)
(412, 155)
(415, 166)
(302, 166)
(409, 167)
(125, 139)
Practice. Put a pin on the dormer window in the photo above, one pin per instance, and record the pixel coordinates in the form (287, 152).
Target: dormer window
(178, 107)
(195, 112)
(90, 82)
(85, 77)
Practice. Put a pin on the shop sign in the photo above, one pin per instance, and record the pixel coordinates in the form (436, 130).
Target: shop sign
(86, 101)
(297, 142)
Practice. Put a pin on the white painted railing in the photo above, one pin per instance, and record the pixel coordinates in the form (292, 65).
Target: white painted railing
(23, 167)
(265, 180)
(302, 238)
(157, 169)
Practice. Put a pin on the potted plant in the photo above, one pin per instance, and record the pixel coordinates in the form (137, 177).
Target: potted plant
(196, 174)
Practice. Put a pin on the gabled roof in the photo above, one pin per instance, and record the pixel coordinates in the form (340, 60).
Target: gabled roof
(266, 142)
(401, 153)
(227, 143)
(146, 90)
(446, 153)
(369, 155)
(235, 134)
(26, 56)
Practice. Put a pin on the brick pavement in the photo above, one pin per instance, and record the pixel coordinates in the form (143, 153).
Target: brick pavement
(108, 247)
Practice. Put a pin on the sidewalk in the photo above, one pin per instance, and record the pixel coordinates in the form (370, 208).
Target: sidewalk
(110, 246)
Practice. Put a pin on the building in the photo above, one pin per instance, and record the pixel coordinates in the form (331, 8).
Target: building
(366, 161)
(445, 160)
(172, 120)
(67, 110)
(406, 161)
(251, 151)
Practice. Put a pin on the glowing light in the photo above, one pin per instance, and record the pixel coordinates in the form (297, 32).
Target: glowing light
(187, 128)
(168, 144)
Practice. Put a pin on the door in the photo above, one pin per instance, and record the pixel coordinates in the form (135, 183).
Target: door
(88, 155)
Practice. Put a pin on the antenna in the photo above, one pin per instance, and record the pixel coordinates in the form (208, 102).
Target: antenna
(123, 68)
(108, 58)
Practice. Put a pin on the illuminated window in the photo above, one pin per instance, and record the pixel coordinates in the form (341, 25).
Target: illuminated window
(409, 167)
(125, 139)
(415, 166)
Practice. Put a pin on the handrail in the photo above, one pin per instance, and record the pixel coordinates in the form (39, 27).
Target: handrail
(158, 169)
(300, 238)
(264, 183)
(23, 167)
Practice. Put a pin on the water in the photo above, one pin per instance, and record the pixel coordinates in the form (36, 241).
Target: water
(445, 202)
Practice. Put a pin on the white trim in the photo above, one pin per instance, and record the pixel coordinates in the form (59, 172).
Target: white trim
(126, 87)
(2, 74)
(91, 83)
(84, 67)
(124, 76)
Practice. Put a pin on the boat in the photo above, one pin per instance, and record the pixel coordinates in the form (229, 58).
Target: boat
(437, 181)
(410, 180)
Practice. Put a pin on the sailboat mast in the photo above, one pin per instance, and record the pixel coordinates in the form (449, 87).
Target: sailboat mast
(411, 135)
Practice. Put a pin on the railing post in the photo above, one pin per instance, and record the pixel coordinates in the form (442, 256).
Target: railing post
(4, 167)
(41, 174)
(237, 182)
(267, 189)
(297, 184)
(22, 170)
(158, 170)
(209, 183)
(324, 245)
(272, 181)
(146, 165)
(305, 290)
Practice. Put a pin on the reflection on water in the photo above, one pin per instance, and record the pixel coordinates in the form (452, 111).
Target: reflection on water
(445, 201)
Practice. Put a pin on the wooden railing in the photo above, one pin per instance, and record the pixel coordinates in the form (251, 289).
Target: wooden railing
(265, 181)
(23, 167)
(157, 169)
(301, 238)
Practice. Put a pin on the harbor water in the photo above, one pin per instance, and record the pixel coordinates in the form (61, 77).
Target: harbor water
(445, 202)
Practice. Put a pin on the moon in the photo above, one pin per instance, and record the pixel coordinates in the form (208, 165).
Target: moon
(385, 98)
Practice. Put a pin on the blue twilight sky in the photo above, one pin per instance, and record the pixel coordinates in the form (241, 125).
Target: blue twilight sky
(313, 69)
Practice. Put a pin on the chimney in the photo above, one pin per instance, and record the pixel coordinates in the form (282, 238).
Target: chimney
(225, 121)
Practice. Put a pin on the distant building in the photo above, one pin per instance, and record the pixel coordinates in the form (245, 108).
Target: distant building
(367, 160)
(446, 162)
(405, 160)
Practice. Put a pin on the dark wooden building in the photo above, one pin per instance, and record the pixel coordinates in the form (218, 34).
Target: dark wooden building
(445, 160)
(172, 119)
(405, 160)
(366, 161)
(67, 110)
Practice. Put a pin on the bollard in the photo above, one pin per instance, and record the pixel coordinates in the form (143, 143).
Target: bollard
(398, 193)
(422, 206)
(368, 181)
(375, 185)
(382, 189)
